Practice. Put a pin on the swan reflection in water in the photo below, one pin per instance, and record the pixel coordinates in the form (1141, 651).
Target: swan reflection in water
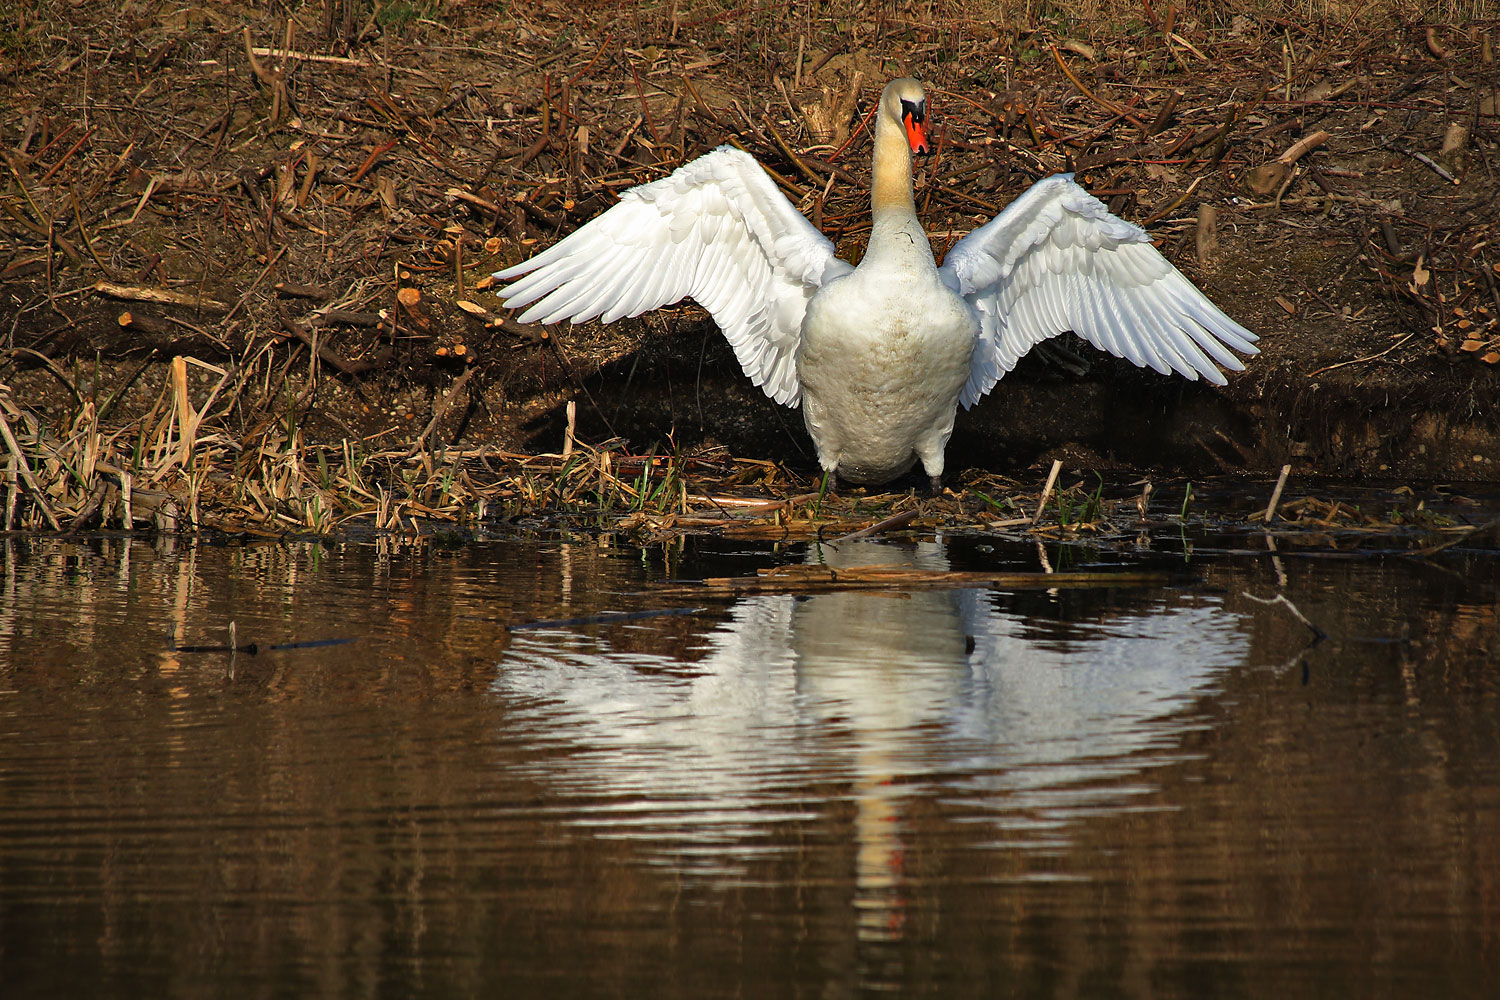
(1024, 723)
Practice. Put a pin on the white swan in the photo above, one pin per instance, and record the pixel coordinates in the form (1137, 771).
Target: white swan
(879, 356)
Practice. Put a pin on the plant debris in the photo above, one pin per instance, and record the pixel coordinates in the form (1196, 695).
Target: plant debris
(245, 249)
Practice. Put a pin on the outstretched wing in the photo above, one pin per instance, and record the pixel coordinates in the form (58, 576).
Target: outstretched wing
(1057, 260)
(716, 229)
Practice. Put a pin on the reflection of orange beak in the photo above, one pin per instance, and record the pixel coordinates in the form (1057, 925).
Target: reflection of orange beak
(916, 134)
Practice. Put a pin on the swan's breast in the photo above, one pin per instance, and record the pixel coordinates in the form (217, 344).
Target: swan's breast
(897, 330)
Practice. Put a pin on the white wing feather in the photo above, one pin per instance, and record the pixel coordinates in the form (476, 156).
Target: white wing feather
(716, 229)
(1057, 260)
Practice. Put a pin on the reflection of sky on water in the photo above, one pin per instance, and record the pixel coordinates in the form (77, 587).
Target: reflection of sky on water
(928, 692)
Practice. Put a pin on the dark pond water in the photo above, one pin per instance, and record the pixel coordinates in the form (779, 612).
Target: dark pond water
(1153, 791)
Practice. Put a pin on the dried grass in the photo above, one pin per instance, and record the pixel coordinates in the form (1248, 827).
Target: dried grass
(176, 469)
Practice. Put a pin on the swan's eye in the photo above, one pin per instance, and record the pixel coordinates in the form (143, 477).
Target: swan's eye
(914, 110)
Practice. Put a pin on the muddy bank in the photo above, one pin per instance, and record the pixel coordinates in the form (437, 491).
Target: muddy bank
(304, 209)
(1090, 409)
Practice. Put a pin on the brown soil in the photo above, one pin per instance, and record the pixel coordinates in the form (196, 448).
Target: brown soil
(322, 216)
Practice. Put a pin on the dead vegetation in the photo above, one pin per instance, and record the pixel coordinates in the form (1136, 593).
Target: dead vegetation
(244, 247)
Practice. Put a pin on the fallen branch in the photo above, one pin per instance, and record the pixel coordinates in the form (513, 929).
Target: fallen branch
(892, 523)
(1489, 527)
(375, 155)
(473, 199)
(151, 186)
(1423, 159)
(67, 156)
(1355, 361)
(347, 317)
(1433, 45)
(1303, 146)
(1165, 114)
(84, 233)
(291, 290)
(161, 296)
(327, 355)
(790, 154)
(1174, 204)
(139, 323)
(269, 53)
(810, 579)
(1110, 106)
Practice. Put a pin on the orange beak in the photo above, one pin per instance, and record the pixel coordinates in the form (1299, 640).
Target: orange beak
(916, 132)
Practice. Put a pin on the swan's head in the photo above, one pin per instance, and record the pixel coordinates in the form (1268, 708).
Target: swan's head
(905, 103)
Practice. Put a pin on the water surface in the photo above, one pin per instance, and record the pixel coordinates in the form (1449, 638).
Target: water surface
(1163, 790)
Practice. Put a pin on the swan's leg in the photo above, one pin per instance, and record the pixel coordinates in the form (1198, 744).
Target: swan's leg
(826, 438)
(930, 452)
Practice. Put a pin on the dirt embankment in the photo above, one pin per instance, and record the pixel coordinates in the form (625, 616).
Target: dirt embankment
(305, 203)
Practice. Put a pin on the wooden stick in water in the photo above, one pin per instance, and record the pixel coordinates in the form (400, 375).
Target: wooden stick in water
(1286, 470)
(1047, 490)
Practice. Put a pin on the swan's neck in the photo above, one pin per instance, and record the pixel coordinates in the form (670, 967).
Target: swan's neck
(897, 233)
(890, 189)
